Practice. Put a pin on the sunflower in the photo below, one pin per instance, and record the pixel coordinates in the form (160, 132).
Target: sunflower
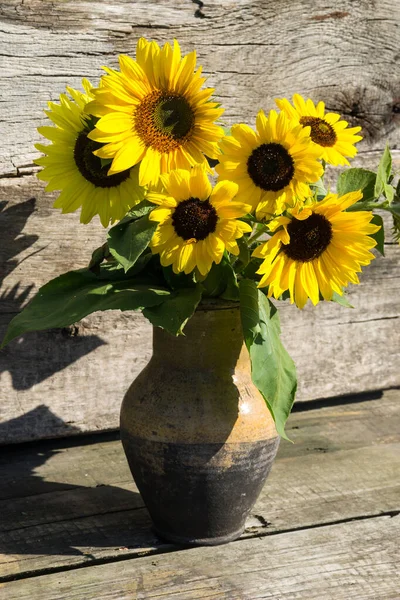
(317, 250)
(195, 222)
(272, 166)
(155, 111)
(332, 136)
(70, 165)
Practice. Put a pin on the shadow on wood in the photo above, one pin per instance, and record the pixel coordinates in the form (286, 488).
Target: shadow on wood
(56, 506)
(33, 358)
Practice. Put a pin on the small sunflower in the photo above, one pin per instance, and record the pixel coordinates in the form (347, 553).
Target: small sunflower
(333, 137)
(70, 165)
(272, 166)
(317, 250)
(155, 111)
(195, 222)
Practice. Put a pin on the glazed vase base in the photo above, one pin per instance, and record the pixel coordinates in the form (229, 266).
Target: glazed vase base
(211, 541)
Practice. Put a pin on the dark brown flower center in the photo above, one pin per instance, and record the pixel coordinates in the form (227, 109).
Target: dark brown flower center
(194, 219)
(322, 133)
(271, 167)
(308, 238)
(90, 165)
(164, 120)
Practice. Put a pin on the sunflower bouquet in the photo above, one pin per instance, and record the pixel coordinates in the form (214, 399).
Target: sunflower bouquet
(200, 211)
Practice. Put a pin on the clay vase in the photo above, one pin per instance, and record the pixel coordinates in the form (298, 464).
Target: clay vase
(197, 433)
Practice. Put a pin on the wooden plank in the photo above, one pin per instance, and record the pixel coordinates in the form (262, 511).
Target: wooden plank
(58, 530)
(357, 560)
(46, 48)
(79, 504)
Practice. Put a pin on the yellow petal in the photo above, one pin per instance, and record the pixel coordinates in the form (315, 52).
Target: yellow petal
(128, 156)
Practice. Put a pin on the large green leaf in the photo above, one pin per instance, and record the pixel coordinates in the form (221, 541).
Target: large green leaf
(352, 180)
(75, 295)
(127, 241)
(272, 369)
(174, 313)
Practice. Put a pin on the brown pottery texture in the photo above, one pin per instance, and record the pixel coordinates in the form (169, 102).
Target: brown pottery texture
(197, 433)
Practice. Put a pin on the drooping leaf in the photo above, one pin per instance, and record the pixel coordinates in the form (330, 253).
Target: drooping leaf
(352, 180)
(74, 295)
(379, 236)
(273, 371)
(384, 172)
(173, 314)
(127, 241)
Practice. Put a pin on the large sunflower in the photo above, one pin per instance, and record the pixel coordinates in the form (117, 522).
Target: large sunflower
(317, 250)
(70, 165)
(333, 137)
(272, 166)
(196, 223)
(155, 111)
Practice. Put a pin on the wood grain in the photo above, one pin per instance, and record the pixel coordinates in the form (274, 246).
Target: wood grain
(47, 378)
(354, 560)
(67, 506)
(46, 45)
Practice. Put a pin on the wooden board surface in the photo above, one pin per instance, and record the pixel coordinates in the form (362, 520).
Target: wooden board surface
(63, 505)
(358, 561)
(47, 379)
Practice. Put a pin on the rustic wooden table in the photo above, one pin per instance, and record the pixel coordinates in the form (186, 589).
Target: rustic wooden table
(73, 525)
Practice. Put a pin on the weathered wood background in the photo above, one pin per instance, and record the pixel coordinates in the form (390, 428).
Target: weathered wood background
(69, 381)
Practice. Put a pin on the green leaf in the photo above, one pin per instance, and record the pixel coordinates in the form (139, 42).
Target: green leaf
(342, 300)
(221, 281)
(250, 272)
(352, 180)
(384, 171)
(74, 295)
(272, 369)
(244, 254)
(379, 236)
(177, 280)
(173, 314)
(389, 192)
(98, 256)
(319, 188)
(127, 241)
(140, 210)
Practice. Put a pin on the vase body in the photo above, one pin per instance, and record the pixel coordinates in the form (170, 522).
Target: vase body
(198, 436)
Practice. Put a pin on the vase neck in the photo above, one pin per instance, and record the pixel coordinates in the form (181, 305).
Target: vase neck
(212, 338)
